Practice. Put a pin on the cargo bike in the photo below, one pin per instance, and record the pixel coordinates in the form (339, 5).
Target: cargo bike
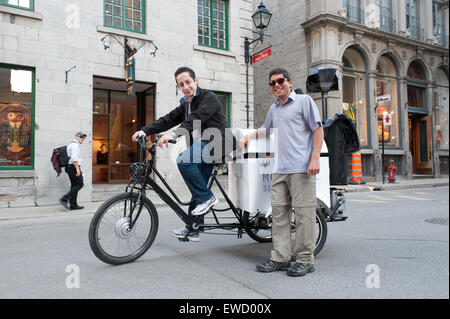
(124, 227)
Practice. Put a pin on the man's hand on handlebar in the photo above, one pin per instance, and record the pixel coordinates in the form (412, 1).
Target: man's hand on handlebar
(137, 134)
(164, 140)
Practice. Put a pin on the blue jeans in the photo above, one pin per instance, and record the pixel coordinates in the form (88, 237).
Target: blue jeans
(196, 169)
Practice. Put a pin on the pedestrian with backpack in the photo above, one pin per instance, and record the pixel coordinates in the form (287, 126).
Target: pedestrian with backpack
(73, 169)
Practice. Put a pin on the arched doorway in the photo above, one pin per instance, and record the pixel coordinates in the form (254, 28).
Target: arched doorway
(419, 120)
(354, 92)
(387, 98)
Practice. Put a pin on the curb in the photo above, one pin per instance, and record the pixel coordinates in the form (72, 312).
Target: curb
(17, 213)
(393, 186)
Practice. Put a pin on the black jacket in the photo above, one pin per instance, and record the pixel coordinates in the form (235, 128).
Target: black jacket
(341, 137)
(206, 108)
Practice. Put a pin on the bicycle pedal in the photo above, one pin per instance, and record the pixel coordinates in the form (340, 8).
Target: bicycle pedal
(183, 239)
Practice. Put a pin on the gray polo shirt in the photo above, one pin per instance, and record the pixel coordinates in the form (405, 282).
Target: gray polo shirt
(295, 122)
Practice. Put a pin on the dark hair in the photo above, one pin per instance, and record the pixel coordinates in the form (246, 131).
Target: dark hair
(184, 69)
(280, 71)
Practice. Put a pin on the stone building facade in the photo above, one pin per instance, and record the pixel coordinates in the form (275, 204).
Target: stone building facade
(391, 57)
(62, 70)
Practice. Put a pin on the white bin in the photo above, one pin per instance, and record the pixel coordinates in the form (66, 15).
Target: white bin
(250, 179)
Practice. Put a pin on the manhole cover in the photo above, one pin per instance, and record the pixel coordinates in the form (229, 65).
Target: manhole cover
(439, 221)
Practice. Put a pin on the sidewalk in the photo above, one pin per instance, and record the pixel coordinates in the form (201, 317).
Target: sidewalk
(401, 184)
(91, 207)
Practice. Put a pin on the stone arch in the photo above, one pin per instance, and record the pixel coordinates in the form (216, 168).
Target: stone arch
(396, 60)
(441, 66)
(361, 49)
(425, 67)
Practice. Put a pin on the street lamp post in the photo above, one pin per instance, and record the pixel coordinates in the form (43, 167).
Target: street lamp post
(261, 19)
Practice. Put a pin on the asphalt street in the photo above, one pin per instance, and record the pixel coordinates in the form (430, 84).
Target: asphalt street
(395, 244)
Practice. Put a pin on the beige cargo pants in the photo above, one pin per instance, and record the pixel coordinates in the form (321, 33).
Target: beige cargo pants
(296, 191)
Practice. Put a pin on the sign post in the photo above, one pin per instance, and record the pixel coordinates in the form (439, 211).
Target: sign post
(387, 120)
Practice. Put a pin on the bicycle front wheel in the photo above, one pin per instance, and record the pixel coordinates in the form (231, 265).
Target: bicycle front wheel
(111, 235)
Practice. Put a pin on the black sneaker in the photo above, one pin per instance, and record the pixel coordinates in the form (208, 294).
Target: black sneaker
(76, 207)
(272, 265)
(300, 269)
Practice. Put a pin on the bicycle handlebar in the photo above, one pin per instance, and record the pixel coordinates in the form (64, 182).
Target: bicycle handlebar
(142, 139)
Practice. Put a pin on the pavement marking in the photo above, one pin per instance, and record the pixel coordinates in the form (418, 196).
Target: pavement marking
(416, 198)
(366, 201)
(382, 198)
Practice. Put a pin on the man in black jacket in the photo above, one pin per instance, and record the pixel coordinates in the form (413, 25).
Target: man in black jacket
(203, 123)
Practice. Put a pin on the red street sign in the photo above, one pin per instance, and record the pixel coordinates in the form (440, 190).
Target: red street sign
(262, 55)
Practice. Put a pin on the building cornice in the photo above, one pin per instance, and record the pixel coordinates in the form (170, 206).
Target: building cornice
(343, 24)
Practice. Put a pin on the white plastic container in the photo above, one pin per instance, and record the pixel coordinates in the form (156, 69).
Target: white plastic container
(250, 178)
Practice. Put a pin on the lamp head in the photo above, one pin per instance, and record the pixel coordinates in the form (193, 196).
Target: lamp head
(261, 18)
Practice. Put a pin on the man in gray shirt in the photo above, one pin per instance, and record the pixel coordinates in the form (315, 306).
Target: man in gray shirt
(299, 141)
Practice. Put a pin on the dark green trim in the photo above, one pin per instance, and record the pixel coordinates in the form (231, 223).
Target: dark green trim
(211, 27)
(33, 101)
(5, 3)
(124, 14)
(228, 106)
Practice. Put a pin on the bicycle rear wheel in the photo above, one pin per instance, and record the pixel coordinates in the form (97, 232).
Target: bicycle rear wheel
(111, 237)
(260, 229)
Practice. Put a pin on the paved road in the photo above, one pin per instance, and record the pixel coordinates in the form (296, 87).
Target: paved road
(387, 243)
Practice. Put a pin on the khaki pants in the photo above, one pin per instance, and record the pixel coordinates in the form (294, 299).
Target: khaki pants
(296, 191)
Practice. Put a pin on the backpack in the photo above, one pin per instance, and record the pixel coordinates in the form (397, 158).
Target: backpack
(60, 158)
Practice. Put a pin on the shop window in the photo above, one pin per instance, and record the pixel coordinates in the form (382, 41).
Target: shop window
(416, 88)
(415, 71)
(125, 14)
(387, 102)
(16, 118)
(415, 96)
(354, 92)
(441, 110)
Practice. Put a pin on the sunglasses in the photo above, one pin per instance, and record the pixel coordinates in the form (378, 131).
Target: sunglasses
(279, 81)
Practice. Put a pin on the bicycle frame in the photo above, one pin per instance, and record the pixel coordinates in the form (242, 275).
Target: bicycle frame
(191, 221)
